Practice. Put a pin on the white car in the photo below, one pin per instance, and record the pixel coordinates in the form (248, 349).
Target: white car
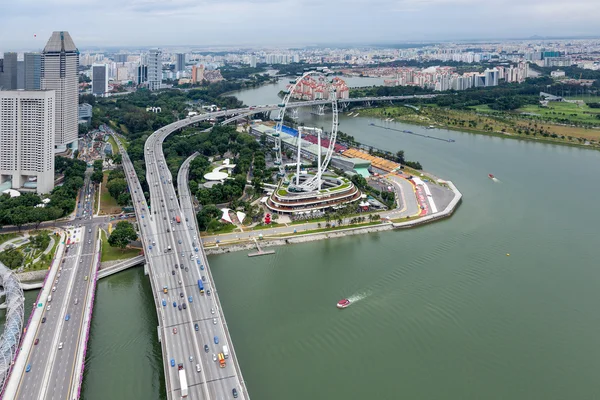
(214, 357)
(60, 345)
(214, 321)
(212, 310)
(197, 367)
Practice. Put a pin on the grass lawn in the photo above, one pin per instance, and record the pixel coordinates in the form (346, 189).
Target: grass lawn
(8, 236)
(562, 112)
(113, 253)
(108, 205)
(112, 142)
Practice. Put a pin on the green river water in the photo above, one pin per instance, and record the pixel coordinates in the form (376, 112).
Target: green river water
(440, 312)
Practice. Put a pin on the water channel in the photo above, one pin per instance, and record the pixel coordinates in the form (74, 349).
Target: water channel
(441, 312)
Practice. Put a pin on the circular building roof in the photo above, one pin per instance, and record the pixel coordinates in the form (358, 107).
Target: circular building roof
(215, 176)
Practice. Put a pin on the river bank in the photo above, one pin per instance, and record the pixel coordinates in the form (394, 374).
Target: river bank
(328, 233)
(473, 122)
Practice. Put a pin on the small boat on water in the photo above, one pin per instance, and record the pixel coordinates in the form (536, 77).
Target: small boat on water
(430, 127)
(491, 176)
(343, 303)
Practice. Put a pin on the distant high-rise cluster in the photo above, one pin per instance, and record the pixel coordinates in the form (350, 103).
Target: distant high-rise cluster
(310, 88)
(446, 78)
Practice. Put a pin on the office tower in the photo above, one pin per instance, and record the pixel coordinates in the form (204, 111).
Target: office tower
(180, 62)
(33, 67)
(154, 69)
(9, 75)
(99, 80)
(141, 75)
(20, 75)
(60, 60)
(27, 139)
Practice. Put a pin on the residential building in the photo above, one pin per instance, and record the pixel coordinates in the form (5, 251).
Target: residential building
(99, 80)
(197, 73)
(27, 139)
(60, 61)
(33, 70)
(154, 60)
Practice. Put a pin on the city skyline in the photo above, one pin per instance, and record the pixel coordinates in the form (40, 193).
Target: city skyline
(194, 23)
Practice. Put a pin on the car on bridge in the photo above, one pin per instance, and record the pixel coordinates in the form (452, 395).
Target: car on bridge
(172, 362)
(196, 327)
(191, 299)
(174, 330)
(216, 340)
(68, 317)
(164, 302)
(234, 392)
(28, 368)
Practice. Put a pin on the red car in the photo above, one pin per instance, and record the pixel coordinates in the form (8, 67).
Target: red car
(174, 330)
(36, 341)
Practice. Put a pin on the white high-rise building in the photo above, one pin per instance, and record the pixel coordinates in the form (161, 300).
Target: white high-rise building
(27, 139)
(154, 62)
(60, 61)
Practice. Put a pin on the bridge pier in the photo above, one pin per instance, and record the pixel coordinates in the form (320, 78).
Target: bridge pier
(367, 104)
(146, 269)
(294, 113)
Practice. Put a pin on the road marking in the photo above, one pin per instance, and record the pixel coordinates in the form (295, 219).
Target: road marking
(87, 293)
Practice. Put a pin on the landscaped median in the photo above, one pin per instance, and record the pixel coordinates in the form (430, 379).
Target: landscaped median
(110, 253)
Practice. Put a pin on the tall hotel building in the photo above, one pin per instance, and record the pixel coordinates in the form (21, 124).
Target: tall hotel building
(60, 61)
(27, 139)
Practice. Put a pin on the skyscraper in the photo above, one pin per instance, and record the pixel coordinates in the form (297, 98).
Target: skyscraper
(141, 75)
(33, 68)
(180, 62)
(8, 77)
(154, 61)
(60, 61)
(27, 139)
(99, 80)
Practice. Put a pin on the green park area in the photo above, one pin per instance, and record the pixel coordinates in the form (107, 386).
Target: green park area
(108, 204)
(110, 253)
(31, 254)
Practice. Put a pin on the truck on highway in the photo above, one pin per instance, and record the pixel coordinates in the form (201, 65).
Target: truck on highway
(200, 286)
(221, 360)
(182, 381)
(178, 219)
(226, 351)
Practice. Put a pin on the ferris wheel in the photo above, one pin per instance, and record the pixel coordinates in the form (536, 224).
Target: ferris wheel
(313, 181)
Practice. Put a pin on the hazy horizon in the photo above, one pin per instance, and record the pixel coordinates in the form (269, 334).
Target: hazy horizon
(27, 24)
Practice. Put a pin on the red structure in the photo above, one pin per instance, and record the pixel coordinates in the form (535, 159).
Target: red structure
(268, 219)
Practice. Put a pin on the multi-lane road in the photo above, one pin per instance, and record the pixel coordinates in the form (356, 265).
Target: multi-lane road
(194, 335)
(52, 360)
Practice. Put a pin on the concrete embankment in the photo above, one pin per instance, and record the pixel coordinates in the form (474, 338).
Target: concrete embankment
(311, 237)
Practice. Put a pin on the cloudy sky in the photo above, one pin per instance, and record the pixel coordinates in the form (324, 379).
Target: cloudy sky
(27, 24)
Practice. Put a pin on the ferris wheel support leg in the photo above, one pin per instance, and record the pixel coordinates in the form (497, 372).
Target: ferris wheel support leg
(298, 159)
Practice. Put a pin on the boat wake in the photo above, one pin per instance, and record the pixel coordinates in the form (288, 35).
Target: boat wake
(358, 296)
(495, 180)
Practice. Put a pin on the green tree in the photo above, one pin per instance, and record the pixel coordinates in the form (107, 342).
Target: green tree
(97, 176)
(122, 235)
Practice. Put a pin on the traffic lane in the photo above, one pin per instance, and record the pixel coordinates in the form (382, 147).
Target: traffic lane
(39, 359)
(63, 367)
